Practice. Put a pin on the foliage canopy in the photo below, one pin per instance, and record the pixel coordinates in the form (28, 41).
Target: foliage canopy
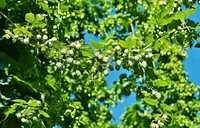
(49, 75)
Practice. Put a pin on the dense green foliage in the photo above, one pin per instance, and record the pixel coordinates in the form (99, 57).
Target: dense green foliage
(49, 75)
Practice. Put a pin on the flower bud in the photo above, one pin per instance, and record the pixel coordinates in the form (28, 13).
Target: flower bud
(105, 72)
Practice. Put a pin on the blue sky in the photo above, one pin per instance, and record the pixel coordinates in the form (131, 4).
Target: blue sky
(192, 66)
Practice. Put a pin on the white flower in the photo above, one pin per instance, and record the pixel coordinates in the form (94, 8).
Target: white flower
(117, 48)
(119, 62)
(160, 33)
(186, 36)
(135, 50)
(45, 37)
(39, 36)
(149, 55)
(130, 63)
(108, 52)
(124, 54)
(163, 3)
(144, 92)
(145, 113)
(54, 39)
(105, 59)
(89, 61)
(179, 27)
(164, 116)
(78, 62)
(54, 27)
(70, 60)
(143, 64)
(23, 120)
(158, 95)
(44, 30)
(59, 64)
(105, 72)
(137, 57)
(174, 4)
(16, 36)
(26, 40)
(126, 51)
(154, 92)
(78, 45)
(170, 13)
(153, 125)
(100, 56)
(38, 102)
(173, 30)
(160, 123)
(78, 73)
(72, 44)
(34, 118)
(96, 54)
(71, 52)
(18, 115)
(63, 51)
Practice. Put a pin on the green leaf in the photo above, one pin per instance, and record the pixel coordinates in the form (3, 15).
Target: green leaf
(179, 15)
(161, 82)
(29, 17)
(88, 53)
(111, 67)
(10, 110)
(95, 44)
(33, 103)
(24, 82)
(2, 4)
(198, 26)
(122, 44)
(76, 104)
(44, 113)
(183, 14)
(51, 81)
(157, 45)
(149, 39)
(167, 107)
(45, 7)
(151, 101)
(39, 17)
(85, 113)
(20, 101)
(130, 42)
(39, 24)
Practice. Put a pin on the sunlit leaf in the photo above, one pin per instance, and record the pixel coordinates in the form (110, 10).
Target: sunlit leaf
(95, 44)
(88, 52)
(51, 81)
(161, 82)
(24, 82)
(151, 101)
(20, 101)
(43, 113)
(29, 17)
(45, 7)
(167, 107)
(130, 42)
(39, 24)
(179, 15)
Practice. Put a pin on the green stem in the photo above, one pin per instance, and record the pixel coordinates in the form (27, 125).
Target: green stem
(6, 17)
